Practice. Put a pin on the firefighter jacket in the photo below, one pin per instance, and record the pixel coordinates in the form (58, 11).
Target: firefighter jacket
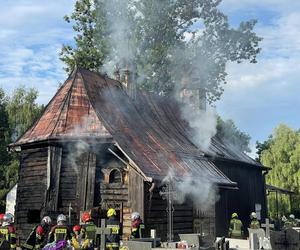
(8, 234)
(254, 224)
(36, 238)
(137, 229)
(88, 232)
(60, 232)
(113, 240)
(235, 228)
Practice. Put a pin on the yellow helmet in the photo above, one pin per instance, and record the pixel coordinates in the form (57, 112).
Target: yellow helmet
(111, 212)
(234, 215)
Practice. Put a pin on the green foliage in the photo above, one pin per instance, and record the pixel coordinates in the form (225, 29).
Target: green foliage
(157, 38)
(282, 153)
(91, 47)
(261, 146)
(4, 128)
(230, 133)
(17, 114)
(22, 111)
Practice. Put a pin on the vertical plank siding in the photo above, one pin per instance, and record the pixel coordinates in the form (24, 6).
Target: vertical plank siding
(31, 190)
(156, 215)
(251, 190)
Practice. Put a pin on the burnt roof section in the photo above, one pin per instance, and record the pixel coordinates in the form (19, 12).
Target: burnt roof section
(149, 131)
(68, 115)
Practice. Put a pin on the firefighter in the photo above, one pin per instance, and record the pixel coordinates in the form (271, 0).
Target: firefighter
(77, 232)
(8, 232)
(88, 231)
(77, 237)
(61, 231)
(137, 226)
(236, 227)
(1, 219)
(38, 235)
(254, 224)
(113, 240)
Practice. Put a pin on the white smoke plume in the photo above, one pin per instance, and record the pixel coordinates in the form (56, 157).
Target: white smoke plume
(200, 189)
(119, 28)
(203, 124)
(79, 147)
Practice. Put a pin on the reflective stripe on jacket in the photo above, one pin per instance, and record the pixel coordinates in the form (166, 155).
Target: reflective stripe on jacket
(112, 240)
(236, 227)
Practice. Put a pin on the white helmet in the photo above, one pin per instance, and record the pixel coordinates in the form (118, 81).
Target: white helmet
(135, 216)
(8, 219)
(292, 216)
(61, 219)
(253, 215)
(46, 220)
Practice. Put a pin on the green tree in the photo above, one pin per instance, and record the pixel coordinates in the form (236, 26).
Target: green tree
(4, 128)
(22, 110)
(91, 47)
(230, 133)
(262, 146)
(282, 154)
(157, 36)
(17, 113)
(165, 56)
(4, 140)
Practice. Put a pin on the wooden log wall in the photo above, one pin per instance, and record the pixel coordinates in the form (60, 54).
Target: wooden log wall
(68, 192)
(156, 215)
(31, 187)
(205, 221)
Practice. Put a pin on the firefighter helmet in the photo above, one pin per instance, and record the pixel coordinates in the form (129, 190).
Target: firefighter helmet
(61, 219)
(86, 217)
(253, 215)
(76, 228)
(46, 220)
(135, 216)
(8, 219)
(292, 217)
(111, 212)
(234, 215)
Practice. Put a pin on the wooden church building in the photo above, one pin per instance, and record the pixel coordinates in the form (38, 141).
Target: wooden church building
(95, 147)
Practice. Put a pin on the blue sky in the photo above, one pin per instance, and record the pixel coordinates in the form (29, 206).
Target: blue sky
(257, 97)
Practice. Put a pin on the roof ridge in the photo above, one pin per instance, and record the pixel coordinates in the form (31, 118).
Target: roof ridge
(34, 124)
(64, 101)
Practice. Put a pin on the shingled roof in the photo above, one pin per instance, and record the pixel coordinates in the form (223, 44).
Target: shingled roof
(149, 130)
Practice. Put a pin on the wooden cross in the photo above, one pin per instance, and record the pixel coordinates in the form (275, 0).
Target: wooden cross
(268, 226)
(103, 231)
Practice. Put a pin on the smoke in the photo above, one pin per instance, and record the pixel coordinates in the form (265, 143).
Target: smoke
(200, 189)
(120, 33)
(203, 124)
(80, 146)
(76, 152)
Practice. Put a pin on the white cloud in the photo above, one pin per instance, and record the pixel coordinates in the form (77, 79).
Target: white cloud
(260, 96)
(31, 35)
(282, 6)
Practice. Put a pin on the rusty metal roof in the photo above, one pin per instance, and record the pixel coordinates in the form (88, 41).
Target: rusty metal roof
(69, 114)
(149, 129)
